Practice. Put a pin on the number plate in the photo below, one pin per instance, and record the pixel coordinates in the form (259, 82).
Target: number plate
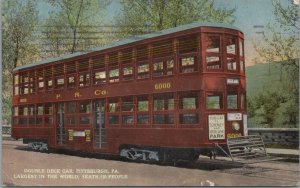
(233, 135)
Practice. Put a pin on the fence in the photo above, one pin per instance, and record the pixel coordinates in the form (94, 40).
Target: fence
(278, 136)
(6, 130)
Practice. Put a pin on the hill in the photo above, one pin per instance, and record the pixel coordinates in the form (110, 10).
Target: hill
(264, 80)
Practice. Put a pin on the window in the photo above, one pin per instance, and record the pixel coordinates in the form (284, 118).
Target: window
(49, 83)
(163, 67)
(24, 84)
(230, 44)
(189, 101)
(71, 113)
(143, 70)
(113, 105)
(242, 64)
(100, 77)
(59, 83)
(213, 62)
(71, 81)
(214, 101)
(127, 72)
(232, 101)
(142, 110)
(31, 113)
(243, 101)
(213, 44)
(127, 104)
(15, 115)
(213, 49)
(188, 44)
(190, 118)
(40, 80)
(48, 111)
(32, 82)
(231, 64)
(163, 102)
(84, 79)
(163, 118)
(114, 75)
(85, 111)
(187, 64)
(113, 119)
(127, 110)
(241, 47)
(39, 112)
(188, 105)
(164, 48)
(163, 106)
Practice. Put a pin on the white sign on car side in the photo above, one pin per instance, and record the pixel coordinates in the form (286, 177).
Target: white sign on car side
(216, 126)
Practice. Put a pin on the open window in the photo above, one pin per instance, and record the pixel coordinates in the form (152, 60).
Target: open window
(213, 52)
(188, 50)
(143, 70)
(143, 110)
(188, 105)
(85, 112)
(113, 111)
(48, 114)
(163, 66)
(231, 53)
(232, 100)
(214, 100)
(71, 113)
(127, 109)
(39, 114)
(163, 106)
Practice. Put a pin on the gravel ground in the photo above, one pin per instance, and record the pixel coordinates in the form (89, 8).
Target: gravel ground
(22, 167)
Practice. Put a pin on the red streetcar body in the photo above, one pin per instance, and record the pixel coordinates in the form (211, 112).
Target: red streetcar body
(178, 88)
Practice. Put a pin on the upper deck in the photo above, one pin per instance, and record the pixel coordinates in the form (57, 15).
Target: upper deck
(166, 61)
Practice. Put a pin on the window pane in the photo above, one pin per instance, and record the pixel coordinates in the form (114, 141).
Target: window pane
(71, 120)
(241, 48)
(71, 81)
(85, 107)
(230, 45)
(127, 70)
(213, 62)
(127, 105)
(213, 102)
(16, 79)
(48, 120)
(127, 119)
(143, 105)
(48, 109)
(113, 105)
(31, 110)
(143, 119)
(39, 120)
(143, 68)
(163, 118)
(163, 103)
(84, 79)
(60, 82)
(213, 44)
(231, 64)
(41, 85)
(71, 107)
(113, 119)
(16, 90)
(84, 119)
(189, 103)
(232, 101)
(188, 118)
(242, 66)
(40, 110)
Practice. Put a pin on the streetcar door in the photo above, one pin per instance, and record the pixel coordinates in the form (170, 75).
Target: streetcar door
(60, 125)
(99, 124)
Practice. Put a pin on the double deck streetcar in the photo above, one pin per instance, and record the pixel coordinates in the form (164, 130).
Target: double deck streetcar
(172, 94)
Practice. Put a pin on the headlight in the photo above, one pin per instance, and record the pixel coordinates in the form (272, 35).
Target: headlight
(235, 126)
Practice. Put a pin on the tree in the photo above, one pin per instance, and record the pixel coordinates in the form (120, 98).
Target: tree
(72, 27)
(143, 16)
(19, 21)
(282, 42)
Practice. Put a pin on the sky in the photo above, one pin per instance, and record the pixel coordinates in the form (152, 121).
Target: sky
(252, 16)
